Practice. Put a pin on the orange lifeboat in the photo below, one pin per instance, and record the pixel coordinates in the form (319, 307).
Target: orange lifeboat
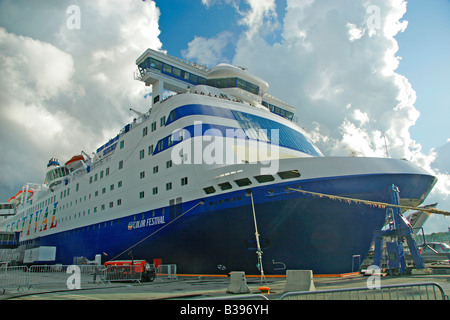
(75, 162)
(19, 195)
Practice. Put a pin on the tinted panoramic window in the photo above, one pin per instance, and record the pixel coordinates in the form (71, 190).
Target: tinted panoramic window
(243, 182)
(289, 174)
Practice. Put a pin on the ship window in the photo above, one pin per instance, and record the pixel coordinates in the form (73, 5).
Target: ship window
(144, 131)
(120, 164)
(169, 186)
(176, 72)
(155, 190)
(155, 64)
(172, 115)
(167, 68)
(225, 186)
(122, 143)
(155, 169)
(141, 195)
(150, 150)
(209, 190)
(243, 182)
(159, 146)
(220, 83)
(184, 181)
(162, 121)
(231, 82)
(264, 178)
(289, 174)
(194, 78)
(141, 154)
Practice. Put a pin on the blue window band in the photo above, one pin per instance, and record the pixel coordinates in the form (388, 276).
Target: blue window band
(288, 137)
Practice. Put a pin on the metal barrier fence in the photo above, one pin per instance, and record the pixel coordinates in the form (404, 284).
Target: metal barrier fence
(167, 271)
(121, 273)
(416, 291)
(56, 276)
(13, 277)
(73, 276)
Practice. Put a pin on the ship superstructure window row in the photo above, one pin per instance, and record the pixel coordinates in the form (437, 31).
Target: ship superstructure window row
(279, 111)
(232, 82)
(284, 175)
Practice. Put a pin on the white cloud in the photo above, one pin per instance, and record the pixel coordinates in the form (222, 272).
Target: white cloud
(208, 51)
(361, 117)
(327, 61)
(262, 13)
(73, 90)
(354, 32)
(40, 63)
(441, 192)
(257, 15)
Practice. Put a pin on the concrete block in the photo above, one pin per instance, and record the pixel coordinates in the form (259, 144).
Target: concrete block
(238, 283)
(299, 280)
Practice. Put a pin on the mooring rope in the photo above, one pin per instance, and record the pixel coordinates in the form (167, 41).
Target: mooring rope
(382, 205)
(258, 252)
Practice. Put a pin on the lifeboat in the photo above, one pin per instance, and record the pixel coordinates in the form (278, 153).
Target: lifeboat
(75, 162)
(19, 195)
(13, 200)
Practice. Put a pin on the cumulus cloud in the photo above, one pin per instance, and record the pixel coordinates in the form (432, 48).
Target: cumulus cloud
(208, 51)
(262, 13)
(66, 90)
(340, 76)
(257, 16)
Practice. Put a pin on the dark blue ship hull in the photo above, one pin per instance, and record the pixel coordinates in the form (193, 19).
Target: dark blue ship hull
(297, 231)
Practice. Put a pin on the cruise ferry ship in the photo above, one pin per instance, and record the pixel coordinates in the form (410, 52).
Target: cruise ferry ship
(208, 179)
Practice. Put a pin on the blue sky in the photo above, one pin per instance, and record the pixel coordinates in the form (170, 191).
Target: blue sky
(425, 52)
(318, 55)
